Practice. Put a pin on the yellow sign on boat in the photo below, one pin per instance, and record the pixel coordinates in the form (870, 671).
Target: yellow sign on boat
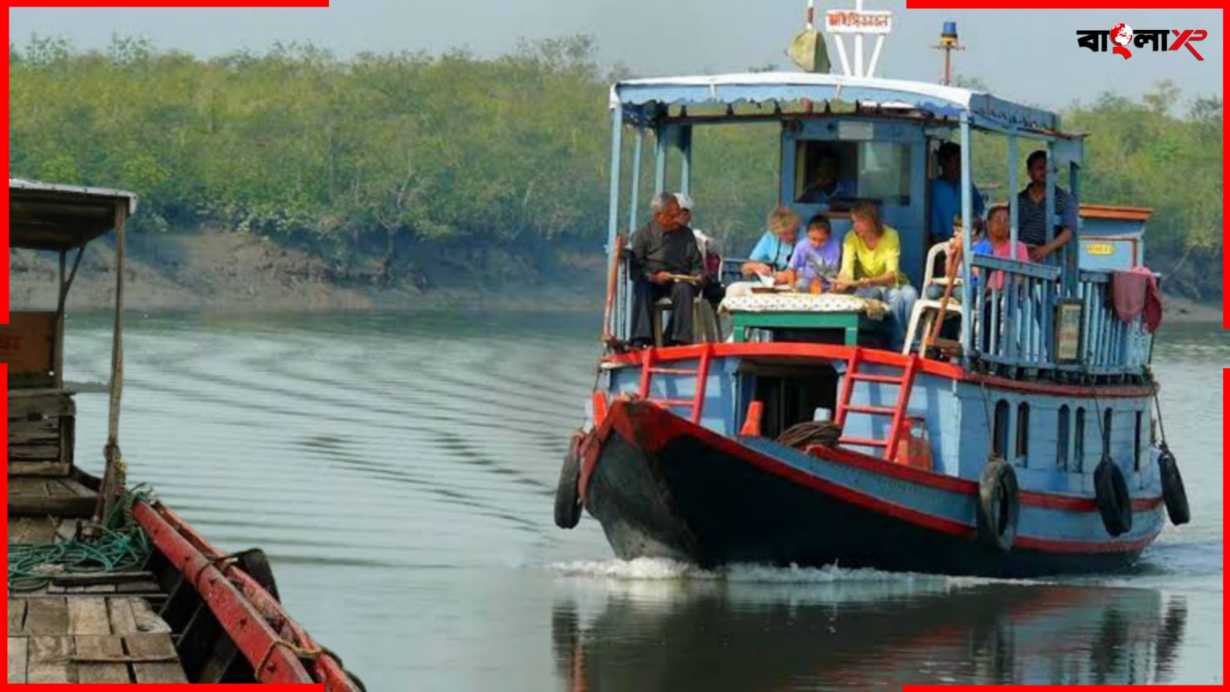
(1100, 248)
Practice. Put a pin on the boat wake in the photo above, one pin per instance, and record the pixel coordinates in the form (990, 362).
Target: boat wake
(664, 569)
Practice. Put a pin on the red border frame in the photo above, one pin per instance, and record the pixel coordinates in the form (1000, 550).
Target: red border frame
(910, 4)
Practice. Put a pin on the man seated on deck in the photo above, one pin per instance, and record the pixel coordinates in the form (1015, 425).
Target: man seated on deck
(946, 195)
(870, 267)
(665, 262)
(1031, 211)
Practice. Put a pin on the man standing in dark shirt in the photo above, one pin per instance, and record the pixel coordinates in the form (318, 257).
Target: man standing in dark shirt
(664, 249)
(1031, 212)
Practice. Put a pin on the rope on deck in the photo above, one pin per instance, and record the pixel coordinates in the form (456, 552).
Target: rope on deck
(121, 546)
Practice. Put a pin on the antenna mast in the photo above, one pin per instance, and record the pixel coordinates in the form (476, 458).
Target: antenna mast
(948, 43)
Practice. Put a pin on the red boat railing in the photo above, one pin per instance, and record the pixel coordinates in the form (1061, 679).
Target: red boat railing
(274, 644)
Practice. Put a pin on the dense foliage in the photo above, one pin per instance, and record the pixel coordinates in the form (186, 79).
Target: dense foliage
(356, 157)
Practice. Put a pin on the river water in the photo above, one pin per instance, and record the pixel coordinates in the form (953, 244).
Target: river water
(399, 471)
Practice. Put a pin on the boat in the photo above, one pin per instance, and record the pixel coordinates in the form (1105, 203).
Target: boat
(106, 583)
(1015, 435)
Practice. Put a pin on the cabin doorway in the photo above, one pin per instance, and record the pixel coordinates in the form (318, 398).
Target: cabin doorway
(790, 395)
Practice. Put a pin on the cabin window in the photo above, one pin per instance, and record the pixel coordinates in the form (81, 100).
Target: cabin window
(839, 173)
(1022, 433)
(1078, 447)
(1000, 436)
(1136, 448)
(1061, 438)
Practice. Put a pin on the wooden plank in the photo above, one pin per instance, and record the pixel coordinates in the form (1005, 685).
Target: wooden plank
(34, 487)
(91, 578)
(88, 615)
(122, 619)
(44, 405)
(18, 658)
(47, 616)
(49, 427)
(36, 452)
(49, 659)
(154, 645)
(32, 529)
(19, 438)
(147, 620)
(43, 469)
(97, 648)
(17, 615)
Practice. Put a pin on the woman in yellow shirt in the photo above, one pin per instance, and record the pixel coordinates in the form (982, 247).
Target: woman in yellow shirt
(870, 267)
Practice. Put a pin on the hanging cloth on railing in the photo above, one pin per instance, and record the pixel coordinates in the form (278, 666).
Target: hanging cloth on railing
(1133, 294)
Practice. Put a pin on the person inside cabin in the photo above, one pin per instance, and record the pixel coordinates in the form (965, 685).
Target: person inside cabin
(709, 252)
(1031, 211)
(665, 263)
(826, 184)
(816, 258)
(870, 267)
(946, 195)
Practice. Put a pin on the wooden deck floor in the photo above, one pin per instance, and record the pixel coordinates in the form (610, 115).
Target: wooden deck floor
(81, 629)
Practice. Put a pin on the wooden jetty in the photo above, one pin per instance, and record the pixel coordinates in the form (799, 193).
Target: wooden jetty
(188, 613)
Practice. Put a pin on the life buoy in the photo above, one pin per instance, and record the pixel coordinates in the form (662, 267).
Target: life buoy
(999, 505)
(1114, 501)
(567, 497)
(1173, 492)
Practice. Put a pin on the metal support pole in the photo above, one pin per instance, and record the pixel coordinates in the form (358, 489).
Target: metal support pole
(1050, 192)
(659, 162)
(634, 193)
(1071, 251)
(58, 363)
(1013, 206)
(967, 212)
(685, 166)
(612, 233)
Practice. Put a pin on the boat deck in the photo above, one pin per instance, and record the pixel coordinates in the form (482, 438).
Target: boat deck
(81, 627)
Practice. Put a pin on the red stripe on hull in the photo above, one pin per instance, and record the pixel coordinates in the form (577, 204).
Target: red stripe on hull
(652, 428)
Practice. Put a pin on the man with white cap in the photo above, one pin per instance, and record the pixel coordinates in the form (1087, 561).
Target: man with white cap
(712, 289)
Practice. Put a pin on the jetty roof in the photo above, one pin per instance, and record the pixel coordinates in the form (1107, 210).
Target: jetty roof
(641, 98)
(51, 216)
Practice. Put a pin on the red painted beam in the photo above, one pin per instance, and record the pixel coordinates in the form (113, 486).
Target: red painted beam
(268, 638)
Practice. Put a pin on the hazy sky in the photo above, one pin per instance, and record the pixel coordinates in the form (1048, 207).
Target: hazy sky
(1028, 56)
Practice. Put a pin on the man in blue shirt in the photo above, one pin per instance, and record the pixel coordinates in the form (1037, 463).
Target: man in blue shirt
(946, 194)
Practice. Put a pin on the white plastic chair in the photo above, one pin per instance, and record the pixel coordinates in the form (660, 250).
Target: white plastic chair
(926, 309)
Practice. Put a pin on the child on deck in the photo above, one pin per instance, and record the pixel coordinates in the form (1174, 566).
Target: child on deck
(817, 258)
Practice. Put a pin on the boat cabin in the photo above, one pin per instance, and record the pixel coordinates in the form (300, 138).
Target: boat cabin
(879, 138)
(60, 219)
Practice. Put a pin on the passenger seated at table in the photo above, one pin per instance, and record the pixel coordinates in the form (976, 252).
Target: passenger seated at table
(664, 256)
(816, 258)
(772, 253)
(770, 259)
(870, 267)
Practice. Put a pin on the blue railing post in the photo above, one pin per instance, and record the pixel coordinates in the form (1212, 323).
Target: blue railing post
(968, 250)
(617, 124)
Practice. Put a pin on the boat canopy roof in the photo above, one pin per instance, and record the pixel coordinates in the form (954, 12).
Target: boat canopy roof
(643, 99)
(50, 216)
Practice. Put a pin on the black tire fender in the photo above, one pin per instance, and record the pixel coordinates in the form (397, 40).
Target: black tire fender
(567, 495)
(999, 505)
(1113, 499)
(1173, 492)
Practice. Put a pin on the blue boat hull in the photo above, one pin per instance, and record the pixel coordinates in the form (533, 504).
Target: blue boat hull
(663, 487)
